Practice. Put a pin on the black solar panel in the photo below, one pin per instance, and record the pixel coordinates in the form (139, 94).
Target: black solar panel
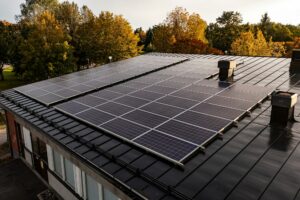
(170, 112)
(145, 118)
(165, 145)
(219, 111)
(161, 109)
(205, 121)
(94, 117)
(187, 132)
(124, 128)
(114, 108)
(84, 81)
(72, 107)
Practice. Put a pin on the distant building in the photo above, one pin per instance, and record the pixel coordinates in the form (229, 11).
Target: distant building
(160, 126)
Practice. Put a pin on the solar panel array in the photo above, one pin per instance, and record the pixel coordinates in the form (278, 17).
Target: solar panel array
(64, 87)
(172, 112)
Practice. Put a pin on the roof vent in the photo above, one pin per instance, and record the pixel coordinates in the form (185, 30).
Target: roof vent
(226, 69)
(295, 63)
(283, 106)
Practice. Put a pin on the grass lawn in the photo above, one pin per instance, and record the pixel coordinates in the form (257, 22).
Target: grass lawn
(10, 80)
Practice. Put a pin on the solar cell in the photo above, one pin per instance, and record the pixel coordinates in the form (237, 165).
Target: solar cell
(161, 109)
(114, 108)
(147, 95)
(94, 117)
(145, 118)
(219, 111)
(124, 128)
(205, 121)
(187, 132)
(178, 102)
(231, 102)
(165, 145)
(72, 107)
(131, 101)
(90, 100)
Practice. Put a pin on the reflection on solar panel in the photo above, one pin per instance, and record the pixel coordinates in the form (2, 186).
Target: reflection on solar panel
(71, 85)
(174, 120)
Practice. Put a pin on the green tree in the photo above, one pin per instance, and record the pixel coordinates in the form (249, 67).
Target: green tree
(148, 40)
(32, 8)
(142, 36)
(6, 41)
(226, 29)
(45, 52)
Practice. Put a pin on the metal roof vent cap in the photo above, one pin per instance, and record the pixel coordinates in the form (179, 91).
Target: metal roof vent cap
(295, 63)
(283, 107)
(226, 69)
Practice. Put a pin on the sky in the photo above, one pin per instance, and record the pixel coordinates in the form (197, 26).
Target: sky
(141, 13)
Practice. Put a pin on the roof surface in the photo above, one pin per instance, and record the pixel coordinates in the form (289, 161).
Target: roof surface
(250, 161)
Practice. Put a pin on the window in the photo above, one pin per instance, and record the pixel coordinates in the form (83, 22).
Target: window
(69, 172)
(108, 195)
(50, 157)
(92, 189)
(57, 158)
(27, 138)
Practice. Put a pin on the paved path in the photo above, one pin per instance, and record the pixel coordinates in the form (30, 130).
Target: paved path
(3, 136)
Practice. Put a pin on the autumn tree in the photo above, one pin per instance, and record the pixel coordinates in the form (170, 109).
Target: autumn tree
(185, 25)
(179, 25)
(108, 35)
(226, 29)
(163, 39)
(46, 51)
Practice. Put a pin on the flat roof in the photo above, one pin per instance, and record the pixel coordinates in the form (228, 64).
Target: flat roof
(250, 161)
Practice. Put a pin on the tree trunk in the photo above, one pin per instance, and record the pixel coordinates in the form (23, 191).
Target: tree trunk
(1, 72)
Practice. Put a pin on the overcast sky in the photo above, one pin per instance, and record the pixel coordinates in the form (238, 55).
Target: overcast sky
(141, 13)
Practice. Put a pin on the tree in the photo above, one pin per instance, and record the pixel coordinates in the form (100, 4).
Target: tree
(142, 36)
(108, 35)
(69, 17)
(278, 32)
(148, 40)
(183, 25)
(227, 28)
(192, 46)
(249, 45)
(46, 51)
(229, 18)
(163, 39)
(32, 8)
(5, 45)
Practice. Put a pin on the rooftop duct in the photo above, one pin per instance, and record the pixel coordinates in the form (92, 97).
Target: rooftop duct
(283, 107)
(295, 63)
(226, 69)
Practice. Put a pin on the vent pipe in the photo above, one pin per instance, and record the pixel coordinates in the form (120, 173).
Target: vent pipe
(226, 69)
(283, 107)
(295, 63)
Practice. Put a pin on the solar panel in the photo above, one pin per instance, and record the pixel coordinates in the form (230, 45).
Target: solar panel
(172, 121)
(187, 132)
(219, 111)
(71, 85)
(168, 146)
